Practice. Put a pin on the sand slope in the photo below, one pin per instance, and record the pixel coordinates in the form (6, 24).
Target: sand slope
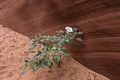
(13, 49)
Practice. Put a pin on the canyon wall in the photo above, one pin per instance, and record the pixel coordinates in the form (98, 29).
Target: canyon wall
(98, 19)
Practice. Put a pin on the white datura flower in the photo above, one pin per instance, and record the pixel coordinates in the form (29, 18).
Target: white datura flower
(68, 29)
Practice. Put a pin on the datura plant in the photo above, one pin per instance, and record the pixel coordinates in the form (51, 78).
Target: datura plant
(46, 50)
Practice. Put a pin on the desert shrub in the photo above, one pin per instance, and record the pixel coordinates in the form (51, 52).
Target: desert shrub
(46, 50)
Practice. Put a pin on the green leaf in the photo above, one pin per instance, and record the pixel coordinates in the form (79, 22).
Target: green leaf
(56, 58)
(34, 67)
(47, 63)
(54, 48)
(39, 35)
(75, 29)
(78, 39)
(48, 45)
(40, 65)
(67, 40)
(33, 45)
(80, 33)
(42, 40)
(30, 50)
(25, 69)
(66, 53)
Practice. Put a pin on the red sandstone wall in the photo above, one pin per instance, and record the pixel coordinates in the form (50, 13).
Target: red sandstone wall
(98, 19)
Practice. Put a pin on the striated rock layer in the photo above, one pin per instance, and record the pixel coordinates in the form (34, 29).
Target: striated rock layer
(98, 19)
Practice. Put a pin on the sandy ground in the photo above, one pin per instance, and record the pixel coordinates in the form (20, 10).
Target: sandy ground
(13, 49)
